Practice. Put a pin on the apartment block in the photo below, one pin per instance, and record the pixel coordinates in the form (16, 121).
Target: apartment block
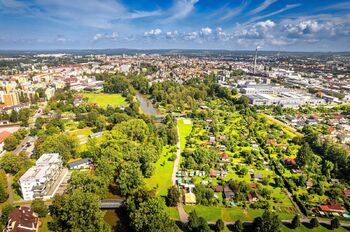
(38, 180)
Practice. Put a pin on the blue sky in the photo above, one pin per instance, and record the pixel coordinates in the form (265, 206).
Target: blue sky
(290, 25)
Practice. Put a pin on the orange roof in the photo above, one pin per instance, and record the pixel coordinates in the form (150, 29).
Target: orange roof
(4, 135)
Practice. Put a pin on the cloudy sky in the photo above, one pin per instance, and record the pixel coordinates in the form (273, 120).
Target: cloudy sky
(291, 25)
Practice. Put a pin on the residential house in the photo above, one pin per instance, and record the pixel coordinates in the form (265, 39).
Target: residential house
(218, 188)
(3, 135)
(332, 207)
(80, 164)
(22, 219)
(228, 193)
(225, 157)
(253, 196)
(289, 161)
(257, 176)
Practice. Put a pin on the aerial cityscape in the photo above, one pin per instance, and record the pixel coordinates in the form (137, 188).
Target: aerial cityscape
(179, 115)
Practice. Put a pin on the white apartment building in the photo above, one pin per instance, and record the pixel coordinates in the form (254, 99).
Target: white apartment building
(38, 180)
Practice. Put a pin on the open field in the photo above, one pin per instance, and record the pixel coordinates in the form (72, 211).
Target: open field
(185, 127)
(103, 100)
(161, 179)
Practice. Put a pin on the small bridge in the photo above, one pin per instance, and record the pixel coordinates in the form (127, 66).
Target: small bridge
(111, 204)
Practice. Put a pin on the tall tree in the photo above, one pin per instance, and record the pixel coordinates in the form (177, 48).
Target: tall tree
(151, 216)
(78, 211)
(173, 196)
(268, 222)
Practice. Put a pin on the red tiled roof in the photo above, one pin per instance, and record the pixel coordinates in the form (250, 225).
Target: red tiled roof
(4, 135)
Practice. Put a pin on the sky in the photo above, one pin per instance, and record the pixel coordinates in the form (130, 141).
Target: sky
(285, 25)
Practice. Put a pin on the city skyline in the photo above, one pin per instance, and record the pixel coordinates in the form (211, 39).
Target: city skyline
(184, 24)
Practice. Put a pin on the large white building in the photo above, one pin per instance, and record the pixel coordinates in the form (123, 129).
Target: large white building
(38, 180)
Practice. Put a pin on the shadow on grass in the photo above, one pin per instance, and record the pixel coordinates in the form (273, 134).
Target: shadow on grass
(180, 225)
(328, 227)
(307, 225)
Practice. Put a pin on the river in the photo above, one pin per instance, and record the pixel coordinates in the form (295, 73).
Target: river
(147, 106)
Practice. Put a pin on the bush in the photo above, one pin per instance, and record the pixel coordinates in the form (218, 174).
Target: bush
(335, 224)
(219, 225)
(314, 222)
(296, 221)
(39, 208)
(172, 157)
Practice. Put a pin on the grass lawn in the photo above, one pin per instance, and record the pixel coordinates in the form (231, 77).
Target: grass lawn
(161, 179)
(103, 100)
(45, 221)
(213, 213)
(185, 130)
(173, 213)
(82, 135)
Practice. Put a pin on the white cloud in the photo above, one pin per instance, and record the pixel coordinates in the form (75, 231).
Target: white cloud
(228, 13)
(181, 9)
(153, 33)
(105, 36)
(205, 31)
(191, 36)
(286, 8)
(262, 6)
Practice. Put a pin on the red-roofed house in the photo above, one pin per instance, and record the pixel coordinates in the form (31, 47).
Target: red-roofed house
(347, 192)
(332, 207)
(3, 136)
(224, 157)
(289, 162)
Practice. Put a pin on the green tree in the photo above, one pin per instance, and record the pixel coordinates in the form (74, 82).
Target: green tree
(11, 143)
(296, 221)
(173, 196)
(238, 226)
(219, 225)
(3, 194)
(14, 116)
(78, 211)
(6, 210)
(151, 216)
(314, 222)
(196, 224)
(335, 224)
(268, 222)
(305, 155)
(89, 183)
(10, 163)
(39, 208)
(129, 177)
(63, 144)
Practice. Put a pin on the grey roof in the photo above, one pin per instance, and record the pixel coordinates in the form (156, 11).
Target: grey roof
(79, 162)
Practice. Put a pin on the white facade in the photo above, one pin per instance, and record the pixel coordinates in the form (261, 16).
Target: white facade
(37, 181)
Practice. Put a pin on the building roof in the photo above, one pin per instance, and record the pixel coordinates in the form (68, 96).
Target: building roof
(23, 219)
(79, 162)
(332, 206)
(190, 198)
(4, 135)
(218, 188)
(48, 159)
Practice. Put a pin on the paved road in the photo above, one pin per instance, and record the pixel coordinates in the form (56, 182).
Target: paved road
(29, 138)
